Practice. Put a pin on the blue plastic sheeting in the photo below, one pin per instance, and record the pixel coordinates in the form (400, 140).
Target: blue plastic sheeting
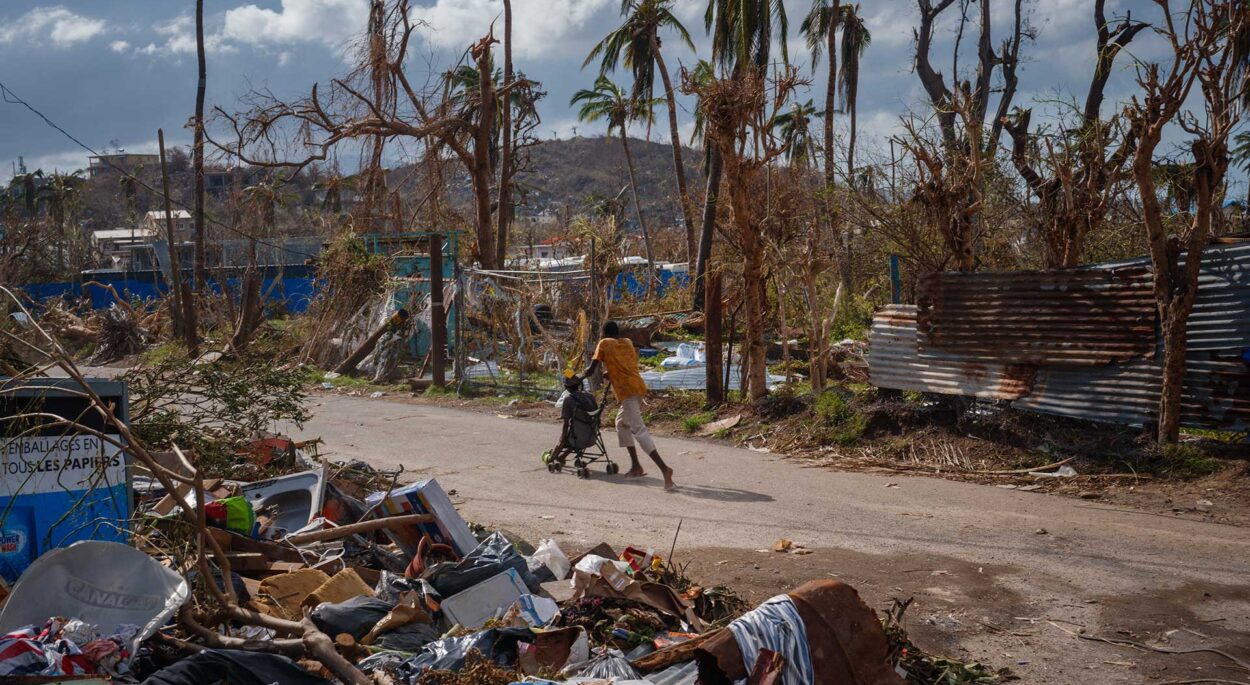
(294, 290)
(627, 283)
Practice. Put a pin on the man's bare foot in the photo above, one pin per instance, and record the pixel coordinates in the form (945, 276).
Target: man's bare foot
(635, 472)
(669, 485)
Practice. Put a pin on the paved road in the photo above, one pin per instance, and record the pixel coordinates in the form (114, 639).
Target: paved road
(735, 498)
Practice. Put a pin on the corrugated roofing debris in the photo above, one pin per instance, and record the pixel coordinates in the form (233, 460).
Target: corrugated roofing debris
(1217, 382)
(1074, 316)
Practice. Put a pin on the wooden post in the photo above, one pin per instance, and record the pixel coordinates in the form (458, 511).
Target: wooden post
(438, 312)
(177, 285)
(713, 337)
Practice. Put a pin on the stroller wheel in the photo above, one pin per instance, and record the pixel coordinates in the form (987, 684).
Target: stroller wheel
(613, 469)
(583, 472)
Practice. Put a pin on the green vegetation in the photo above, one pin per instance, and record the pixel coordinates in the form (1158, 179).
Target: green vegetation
(1189, 461)
(694, 422)
(840, 422)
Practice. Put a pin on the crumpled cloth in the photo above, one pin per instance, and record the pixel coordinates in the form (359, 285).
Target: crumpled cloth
(31, 651)
(776, 626)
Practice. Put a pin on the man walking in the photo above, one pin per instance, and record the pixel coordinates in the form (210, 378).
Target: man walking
(620, 363)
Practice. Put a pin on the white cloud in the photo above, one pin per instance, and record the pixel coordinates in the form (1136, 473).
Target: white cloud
(63, 27)
(119, 46)
(178, 38)
(547, 29)
(331, 22)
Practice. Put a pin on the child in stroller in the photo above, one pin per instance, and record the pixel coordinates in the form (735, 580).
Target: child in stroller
(579, 432)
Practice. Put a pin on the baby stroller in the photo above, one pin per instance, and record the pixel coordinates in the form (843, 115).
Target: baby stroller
(581, 433)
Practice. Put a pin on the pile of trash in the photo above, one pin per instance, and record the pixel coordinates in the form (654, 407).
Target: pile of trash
(314, 578)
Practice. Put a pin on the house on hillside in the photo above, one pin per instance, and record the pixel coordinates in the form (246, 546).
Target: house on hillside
(183, 224)
(120, 163)
(549, 249)
(117, 244)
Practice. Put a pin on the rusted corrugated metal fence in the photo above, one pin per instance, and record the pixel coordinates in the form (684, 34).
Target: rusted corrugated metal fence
(1077, 342)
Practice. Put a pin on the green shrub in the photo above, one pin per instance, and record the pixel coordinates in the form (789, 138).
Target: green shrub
(842, 424)
(1189, 461)
(694, 422)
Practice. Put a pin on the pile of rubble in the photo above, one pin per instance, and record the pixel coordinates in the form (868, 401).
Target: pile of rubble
(315, 577)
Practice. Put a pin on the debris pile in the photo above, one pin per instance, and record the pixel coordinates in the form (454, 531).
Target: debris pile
(336, 573)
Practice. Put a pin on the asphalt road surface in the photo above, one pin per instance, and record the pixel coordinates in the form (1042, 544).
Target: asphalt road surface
(1035, 568)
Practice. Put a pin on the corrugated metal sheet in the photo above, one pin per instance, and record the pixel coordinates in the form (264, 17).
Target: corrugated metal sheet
(1217, 382)
(895, 361)
(1084, 316)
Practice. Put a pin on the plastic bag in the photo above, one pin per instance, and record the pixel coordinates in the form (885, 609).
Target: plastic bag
(490, 558)
(550, 556)
(610, 664)
(356, 616)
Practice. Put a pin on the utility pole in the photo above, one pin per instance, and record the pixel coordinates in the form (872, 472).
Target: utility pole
(197, 150)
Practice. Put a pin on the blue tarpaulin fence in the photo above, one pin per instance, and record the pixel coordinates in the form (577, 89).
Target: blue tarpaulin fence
(291, 287)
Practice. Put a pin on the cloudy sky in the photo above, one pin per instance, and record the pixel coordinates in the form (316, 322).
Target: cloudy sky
(111, 72)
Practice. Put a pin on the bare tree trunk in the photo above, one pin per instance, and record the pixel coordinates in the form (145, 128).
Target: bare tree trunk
(708, 229)
(642, 223)
(179, 288)
(815, 328)
(1175, 342)
(679, 167)
(506, 162)
(197, 150)
(481, 171)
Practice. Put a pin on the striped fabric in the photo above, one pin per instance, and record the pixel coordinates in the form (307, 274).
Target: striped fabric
(28, 652)
(776, 625)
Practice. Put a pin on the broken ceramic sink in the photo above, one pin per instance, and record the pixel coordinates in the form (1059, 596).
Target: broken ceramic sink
(290, 501)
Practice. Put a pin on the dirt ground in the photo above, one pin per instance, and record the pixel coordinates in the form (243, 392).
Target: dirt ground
(1006, 577)
(972, 613)
(1222, 497)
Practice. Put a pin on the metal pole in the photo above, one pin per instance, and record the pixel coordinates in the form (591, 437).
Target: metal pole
(713, 337)
(438, 313)
(896, 281)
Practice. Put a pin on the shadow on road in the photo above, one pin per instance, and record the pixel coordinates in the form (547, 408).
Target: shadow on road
(700, 491)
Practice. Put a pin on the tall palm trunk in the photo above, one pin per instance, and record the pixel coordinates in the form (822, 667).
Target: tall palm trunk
(679, 168)
(505, 163)
(642, 223)
(197, 150)
(709, 221)
(831, 91)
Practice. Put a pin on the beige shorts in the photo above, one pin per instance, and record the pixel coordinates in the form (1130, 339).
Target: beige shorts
(630, 428)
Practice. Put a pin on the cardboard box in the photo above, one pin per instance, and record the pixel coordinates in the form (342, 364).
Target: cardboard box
(424, 497)
(484, 601)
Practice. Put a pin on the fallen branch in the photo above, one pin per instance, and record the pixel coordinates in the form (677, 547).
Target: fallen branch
(1015, 472)
(1163, 650)
(355, 528)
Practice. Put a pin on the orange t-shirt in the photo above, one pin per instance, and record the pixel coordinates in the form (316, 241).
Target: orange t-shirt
(621, 363)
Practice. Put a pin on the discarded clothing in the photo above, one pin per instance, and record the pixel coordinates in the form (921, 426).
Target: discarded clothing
(234, 667)
(841, 639)
(776, 626)
(30, 651)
